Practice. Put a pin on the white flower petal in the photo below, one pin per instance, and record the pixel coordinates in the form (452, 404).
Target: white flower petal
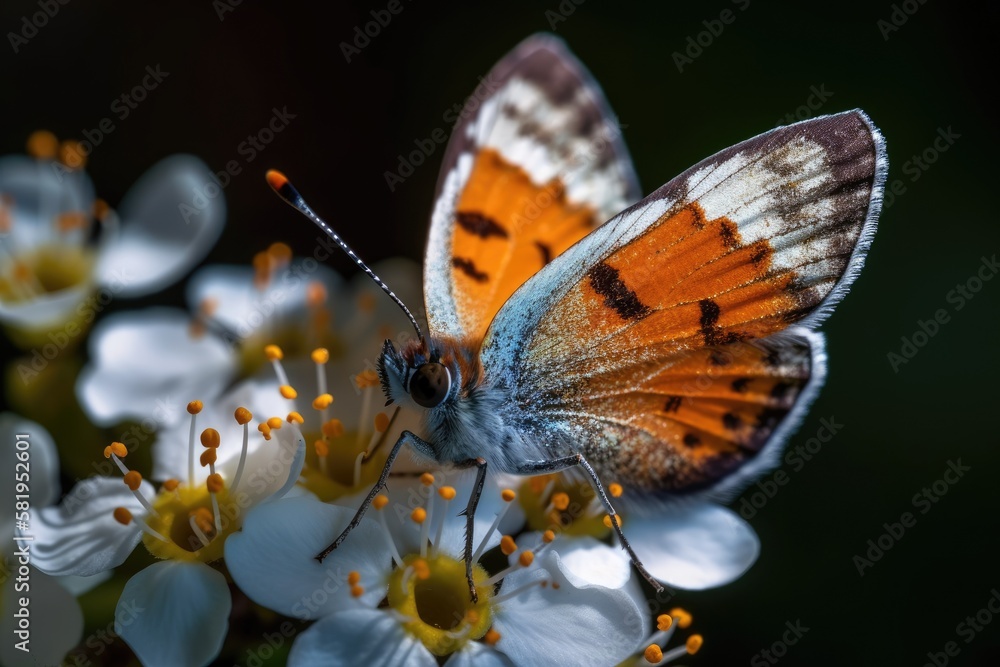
(47, 311)
(55, 617)
(585, 560)
(81, 536)
(693, 546)
(38, 470)
(174, 613)
(272, 558)
(77, 586)
(168, 224)
(41, 190)
(476, 654)
(243, 309)
(147, 365)
(359, 637)
(585, 625)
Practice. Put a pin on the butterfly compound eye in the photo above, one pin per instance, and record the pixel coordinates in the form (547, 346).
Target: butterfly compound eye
(430, 384)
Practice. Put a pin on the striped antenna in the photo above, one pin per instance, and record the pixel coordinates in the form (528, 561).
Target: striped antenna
(281, 185)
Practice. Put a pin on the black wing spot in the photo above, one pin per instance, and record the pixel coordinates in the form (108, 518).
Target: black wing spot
(720, 358)
(468, 267)
(781, 390)
(479, 224)
(546, 252)
(691, 440)
(730, 235)
(606, 281)
(673, 404)
(731, 421)
(740, 385)
(710, 312)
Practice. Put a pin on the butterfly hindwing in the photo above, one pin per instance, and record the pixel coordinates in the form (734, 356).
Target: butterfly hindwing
(531, 168)
(734, 251)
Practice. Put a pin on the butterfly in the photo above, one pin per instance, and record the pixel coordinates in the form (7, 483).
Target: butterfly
(666, 343)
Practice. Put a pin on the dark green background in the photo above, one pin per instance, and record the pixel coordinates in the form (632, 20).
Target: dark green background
(900, 429)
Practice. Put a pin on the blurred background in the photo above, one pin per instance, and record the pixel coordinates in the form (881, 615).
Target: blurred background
(920, 70)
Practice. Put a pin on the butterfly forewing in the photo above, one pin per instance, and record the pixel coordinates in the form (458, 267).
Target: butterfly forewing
(531, 169)
(735, 250)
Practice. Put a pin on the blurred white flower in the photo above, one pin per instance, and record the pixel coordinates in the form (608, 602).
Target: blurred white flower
(54, 276)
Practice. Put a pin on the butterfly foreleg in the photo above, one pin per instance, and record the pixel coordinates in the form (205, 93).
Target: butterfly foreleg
(470, 519)
(404, 438)
(557, 465)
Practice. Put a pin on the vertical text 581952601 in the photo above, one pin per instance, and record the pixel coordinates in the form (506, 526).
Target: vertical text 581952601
(22, 557)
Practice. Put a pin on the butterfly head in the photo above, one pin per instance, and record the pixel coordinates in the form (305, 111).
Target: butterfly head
(416, 373)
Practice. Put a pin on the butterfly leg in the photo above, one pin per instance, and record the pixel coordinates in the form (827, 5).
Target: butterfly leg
(557, 465)
(470, 520)
(404, 438)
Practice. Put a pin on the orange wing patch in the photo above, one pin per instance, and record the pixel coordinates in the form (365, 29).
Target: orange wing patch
(702, 414)
(506, 229)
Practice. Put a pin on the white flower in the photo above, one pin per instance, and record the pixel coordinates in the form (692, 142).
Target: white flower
(395, 592)
(51, 276)
(690, 545)
(143, 360)
(32, 470)
(176, 611)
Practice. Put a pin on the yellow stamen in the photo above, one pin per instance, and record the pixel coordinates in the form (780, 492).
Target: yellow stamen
(615, 489)
(427, 479)
(381, 422)
(265, 430)
(288, 391)
(353, 577)
(123, 516)
(322, 449)
(275, 423)
(294, 417)
(447, 492)
(419, 515)
(116, 448)
(243, 416)
(526, 558)
(70, 220)
(682, 617)
(380, 501)
(133, 479)
(366, 378)
(194, 407)
(333, 428)
(608, 521)
(560, 501)
(208, 457)
(171, 485)
(357, 591)
(210, 438)
(280, 252)
(204, 519)
(548, 536)
(72, 155)
(315, 294)
(492, 637)
(42, 144)
(422, 569)
(320, 355)
(214, 483)
(508, 495)
(663, 622)
(273, 353)
(653, 654)
(694, 643)
(507, 545)
(322, 402)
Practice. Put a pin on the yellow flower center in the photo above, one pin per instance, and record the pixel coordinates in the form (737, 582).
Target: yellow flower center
(562, 505)
(433, 594)
(180, 512)
(45, 270)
